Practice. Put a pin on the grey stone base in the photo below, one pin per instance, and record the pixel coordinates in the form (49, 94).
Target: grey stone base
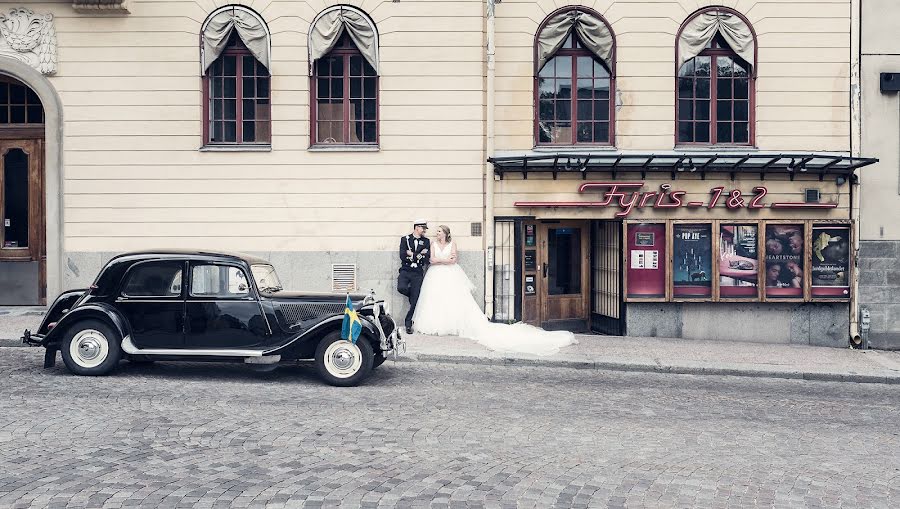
(879, 291)
(309, 271)
(802, 323)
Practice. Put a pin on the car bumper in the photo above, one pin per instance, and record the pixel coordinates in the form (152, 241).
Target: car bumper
(32, 339)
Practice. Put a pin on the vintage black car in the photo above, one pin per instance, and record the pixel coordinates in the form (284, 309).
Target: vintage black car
(189, 305)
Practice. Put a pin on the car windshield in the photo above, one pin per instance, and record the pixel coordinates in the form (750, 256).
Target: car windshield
(266, 278)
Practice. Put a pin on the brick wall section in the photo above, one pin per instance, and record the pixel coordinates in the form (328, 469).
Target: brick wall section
(879, 291)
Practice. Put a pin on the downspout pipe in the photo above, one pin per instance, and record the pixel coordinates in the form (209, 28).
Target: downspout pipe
(488, 230)
(855, 150)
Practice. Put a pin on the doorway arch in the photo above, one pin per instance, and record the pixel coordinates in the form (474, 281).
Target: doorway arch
(53, 168)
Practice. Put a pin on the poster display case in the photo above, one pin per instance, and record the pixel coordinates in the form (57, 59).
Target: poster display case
(645, 256)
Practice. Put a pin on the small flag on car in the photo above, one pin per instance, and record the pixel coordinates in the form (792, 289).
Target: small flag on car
(352, 327)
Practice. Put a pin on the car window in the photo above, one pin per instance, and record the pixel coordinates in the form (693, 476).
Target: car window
(154, 279)
(218, 281)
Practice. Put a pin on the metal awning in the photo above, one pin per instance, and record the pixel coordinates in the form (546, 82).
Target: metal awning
(731, 163)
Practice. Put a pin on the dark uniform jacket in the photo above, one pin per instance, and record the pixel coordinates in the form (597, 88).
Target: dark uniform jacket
(421, 249)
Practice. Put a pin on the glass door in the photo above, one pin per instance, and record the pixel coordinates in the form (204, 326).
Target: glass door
(22, 251)
(565, 274)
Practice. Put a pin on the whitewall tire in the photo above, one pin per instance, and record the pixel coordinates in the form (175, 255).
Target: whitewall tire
(91, 347)
(342, 363)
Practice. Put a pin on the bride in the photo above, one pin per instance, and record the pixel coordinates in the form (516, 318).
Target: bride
(446, 307)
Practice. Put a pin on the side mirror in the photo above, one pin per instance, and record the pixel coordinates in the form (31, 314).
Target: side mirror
(242, 287)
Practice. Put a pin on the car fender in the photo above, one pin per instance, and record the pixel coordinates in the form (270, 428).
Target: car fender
(314, 333)
(99, 310)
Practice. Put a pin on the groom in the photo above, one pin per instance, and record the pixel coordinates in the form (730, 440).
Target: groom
(415, 252)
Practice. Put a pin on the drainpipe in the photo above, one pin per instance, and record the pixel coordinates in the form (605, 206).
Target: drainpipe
(855, 150)
(488, 230)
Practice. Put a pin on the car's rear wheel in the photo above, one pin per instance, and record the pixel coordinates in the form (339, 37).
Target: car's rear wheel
(91, 348)
(342, 363)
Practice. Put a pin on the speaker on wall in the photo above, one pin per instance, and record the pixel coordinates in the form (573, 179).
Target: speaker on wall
(890, 82)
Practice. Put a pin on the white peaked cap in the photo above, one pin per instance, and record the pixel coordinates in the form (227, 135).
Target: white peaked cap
(422, 222)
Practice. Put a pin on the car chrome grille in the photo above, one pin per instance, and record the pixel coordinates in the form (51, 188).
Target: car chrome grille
(296, 313)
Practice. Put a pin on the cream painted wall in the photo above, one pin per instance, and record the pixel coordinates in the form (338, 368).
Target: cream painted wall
(880, 191)
(134, 177)
(802, 90)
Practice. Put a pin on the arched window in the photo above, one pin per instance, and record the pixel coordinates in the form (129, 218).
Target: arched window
(236, 81)
(343, 46)
(716, 79)
(574, 79)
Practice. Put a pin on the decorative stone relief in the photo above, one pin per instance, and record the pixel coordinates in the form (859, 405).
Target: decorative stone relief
(29, 37)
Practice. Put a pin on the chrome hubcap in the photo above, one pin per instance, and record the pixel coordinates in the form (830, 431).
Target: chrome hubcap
(89, 348)
(343, 359)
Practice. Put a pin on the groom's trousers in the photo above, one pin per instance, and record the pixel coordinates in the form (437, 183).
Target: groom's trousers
(409, 283)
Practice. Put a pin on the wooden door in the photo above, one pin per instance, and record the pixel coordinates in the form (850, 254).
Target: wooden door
(564, 274)
(23, 252)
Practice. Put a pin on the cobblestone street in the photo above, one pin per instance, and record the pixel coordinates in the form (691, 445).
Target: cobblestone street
(439, 435)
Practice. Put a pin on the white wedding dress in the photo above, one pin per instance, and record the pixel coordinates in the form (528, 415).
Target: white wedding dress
(446, 308)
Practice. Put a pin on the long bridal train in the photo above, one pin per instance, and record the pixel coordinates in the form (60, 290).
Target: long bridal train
(446, 307)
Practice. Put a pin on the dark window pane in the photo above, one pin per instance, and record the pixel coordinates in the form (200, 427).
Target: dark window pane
(369, 132)
(249, 109)
(685, 132)
(702, 66)
(4, 114)
(218, 130)
(32, 97)
(601, 88)
(563, 89)
(4, 93)
(564, 261)
(16, 94)
(740, 110)
(368, 70)
(15, 198)
(230, 65)
(701, 110)
(723, 88)
(230, 132)
(723, 66)
(701, 132)
(356, 111)
(356, 67)
(601, 132)
(549, 69)
(741, 132)
(546, 88)
(323, 66)
(563, 110)
(249, 89)
(369, 109)
(740, 69)
(356, 132)
(685, 87)
(723, 132)
(17, 114)
(685, 110)
(249, 64)
(544, 130)
(585, 133)
(369, 88)
(545, 110)
(249, 132)
(601, 110)
(215, 87)
(702, 88)
(230, 88)
(584, 67)
(723, 110)
(262, 87)
(230, 109)
(218, 109)
(337, 88)
(563, 66)
(585, 110)
(585, 88)
(154, 279)
(322, 88)
(35, 114)
(741, 88)
(356, 88)
(337, 66)
(687, 69)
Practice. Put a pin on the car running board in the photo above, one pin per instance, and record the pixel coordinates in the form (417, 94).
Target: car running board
(129, 348)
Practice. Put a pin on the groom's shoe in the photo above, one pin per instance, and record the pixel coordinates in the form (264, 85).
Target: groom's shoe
(409, 329)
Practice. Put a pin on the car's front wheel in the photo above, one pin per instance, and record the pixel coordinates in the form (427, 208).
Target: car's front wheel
(342, 363)
(91, 347)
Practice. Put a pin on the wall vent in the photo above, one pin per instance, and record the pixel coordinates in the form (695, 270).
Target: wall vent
(812, 196)
(343, 277)
(476, 230)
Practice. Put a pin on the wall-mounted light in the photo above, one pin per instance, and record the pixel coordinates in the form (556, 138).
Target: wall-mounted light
(840, 180)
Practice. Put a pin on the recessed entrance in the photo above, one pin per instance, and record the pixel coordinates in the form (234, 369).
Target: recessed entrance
(23, 252)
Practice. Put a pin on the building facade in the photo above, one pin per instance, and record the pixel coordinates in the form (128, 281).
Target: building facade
(675, 168)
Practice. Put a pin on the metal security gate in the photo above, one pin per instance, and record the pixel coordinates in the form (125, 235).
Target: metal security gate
(507, 305)
(607, 306)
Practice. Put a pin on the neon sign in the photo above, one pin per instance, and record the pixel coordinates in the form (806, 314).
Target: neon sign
(628, 196)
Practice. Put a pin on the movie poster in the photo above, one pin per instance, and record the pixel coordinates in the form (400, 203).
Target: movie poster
(830, 269)
(646, 260)
(784, 260)
(738, 260)
(692, 260)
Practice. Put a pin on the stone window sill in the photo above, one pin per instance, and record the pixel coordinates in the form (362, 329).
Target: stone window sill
(344, 148)
(236, 148)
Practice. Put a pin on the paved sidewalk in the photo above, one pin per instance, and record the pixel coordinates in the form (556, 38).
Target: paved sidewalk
(679, 356)
(623, 354)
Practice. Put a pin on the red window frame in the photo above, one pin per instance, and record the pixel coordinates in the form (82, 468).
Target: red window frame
(574, 53)
(344, 49)
(713, 53)
(237, 49)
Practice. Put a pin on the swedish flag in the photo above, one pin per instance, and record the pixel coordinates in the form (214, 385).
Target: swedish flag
(351, 327)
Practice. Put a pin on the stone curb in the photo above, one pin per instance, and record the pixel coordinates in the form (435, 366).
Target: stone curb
(653, 368)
